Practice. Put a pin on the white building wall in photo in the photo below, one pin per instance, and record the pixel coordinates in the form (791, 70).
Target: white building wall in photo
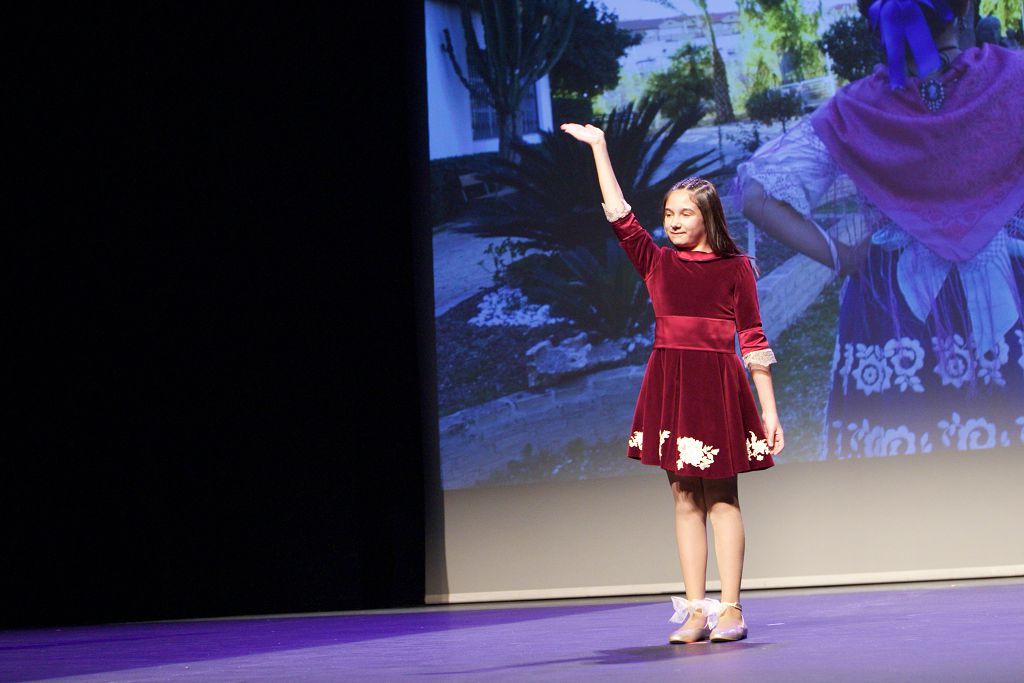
(449, 114)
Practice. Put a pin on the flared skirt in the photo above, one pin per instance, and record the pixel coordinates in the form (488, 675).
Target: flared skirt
(696, 416)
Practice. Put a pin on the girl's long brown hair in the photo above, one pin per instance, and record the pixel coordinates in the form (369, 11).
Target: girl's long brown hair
(705, 196)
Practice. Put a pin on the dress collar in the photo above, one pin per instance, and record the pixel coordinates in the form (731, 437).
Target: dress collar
(690, 255)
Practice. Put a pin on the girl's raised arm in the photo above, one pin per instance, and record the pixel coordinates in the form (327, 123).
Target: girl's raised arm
(636, 241)
(614, 203)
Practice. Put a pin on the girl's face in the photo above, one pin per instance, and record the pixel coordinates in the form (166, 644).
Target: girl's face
(684, 223)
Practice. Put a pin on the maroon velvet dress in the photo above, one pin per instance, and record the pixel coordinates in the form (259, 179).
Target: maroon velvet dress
(696, 414)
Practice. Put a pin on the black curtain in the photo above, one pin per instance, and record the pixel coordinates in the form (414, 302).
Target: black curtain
(224, 358)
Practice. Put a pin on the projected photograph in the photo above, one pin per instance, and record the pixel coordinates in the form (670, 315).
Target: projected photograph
(889, 234)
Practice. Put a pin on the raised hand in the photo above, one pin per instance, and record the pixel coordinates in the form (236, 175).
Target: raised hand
(592, 135)
(611, 193)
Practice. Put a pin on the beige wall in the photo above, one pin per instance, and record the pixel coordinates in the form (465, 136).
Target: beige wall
(862, 521)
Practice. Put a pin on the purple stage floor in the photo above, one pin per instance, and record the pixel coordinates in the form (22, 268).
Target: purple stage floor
(967, 631)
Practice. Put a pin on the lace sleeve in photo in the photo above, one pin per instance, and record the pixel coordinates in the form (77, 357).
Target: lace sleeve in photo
(795, 168)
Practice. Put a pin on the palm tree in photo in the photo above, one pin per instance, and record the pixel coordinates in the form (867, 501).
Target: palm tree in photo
(720, 83)
(720, 79)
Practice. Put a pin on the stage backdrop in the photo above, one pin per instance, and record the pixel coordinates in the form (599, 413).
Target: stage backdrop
(543, 329)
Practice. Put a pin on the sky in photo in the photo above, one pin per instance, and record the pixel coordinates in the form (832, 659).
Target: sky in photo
(650, 9)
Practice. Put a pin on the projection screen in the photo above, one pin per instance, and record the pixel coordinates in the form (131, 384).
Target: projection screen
(905, 451)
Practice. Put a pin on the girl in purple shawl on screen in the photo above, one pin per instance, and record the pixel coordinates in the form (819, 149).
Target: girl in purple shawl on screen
(929, 149)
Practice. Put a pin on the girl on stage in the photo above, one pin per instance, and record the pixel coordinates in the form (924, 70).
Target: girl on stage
(695, 416)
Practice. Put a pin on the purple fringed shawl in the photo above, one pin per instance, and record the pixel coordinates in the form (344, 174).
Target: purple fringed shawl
(951, 179)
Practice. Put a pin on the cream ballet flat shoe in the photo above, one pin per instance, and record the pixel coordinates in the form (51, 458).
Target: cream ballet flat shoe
(725, 635)
(698, 618)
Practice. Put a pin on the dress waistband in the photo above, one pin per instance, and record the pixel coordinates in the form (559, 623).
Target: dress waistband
(692, 332)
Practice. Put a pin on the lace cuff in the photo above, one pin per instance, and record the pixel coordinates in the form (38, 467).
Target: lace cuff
(616, 214)
(764, 357)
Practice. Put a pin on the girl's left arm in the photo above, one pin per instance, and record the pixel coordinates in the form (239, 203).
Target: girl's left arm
(756, 352)
(762, 376)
